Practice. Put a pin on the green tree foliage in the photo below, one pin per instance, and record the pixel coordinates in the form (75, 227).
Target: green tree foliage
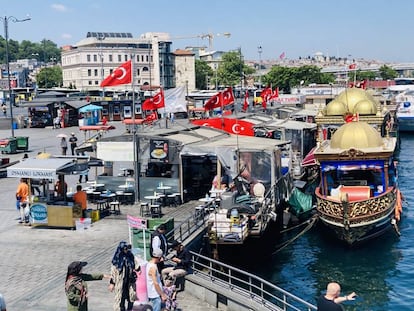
(43, 51)
(50, 77)
(202, 73)
(387, 73)
(232, 70)
(363, 75)
(287, 77)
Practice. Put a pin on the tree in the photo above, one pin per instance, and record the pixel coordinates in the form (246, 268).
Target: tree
(387, 73)
(364, 75)
(50, 77)
(287, 77)
(202, 73)
(232, 69)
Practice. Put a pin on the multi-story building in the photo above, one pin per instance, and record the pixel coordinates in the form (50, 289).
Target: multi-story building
(87, 63)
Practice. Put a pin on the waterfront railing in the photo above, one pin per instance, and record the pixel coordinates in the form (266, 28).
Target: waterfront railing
(248, 286)
(233, 281)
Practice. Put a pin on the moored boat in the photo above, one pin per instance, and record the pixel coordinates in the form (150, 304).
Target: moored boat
(405, 111)
(358, 197)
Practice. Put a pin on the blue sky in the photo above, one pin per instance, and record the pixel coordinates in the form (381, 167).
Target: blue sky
(370, 29)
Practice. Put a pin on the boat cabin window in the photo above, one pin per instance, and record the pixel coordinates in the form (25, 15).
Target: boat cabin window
(354, 174)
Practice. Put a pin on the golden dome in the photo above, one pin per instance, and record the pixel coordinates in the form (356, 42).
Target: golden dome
(335, 108)
(356, 135)
(351, 96)
(365, 107)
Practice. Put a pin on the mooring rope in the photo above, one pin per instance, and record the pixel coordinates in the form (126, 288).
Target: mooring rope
(310, 222)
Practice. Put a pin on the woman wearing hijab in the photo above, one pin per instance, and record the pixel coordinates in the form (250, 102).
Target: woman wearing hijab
(76, 288)
(123, 277)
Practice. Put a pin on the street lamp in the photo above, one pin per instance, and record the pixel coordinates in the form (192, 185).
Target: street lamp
(6, 20)
(259, 50)
(101, 37)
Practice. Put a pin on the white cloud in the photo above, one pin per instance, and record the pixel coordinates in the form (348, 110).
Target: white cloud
(59, 7)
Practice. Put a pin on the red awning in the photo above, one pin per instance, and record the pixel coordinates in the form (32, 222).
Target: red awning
(96, 127)
(132, 121)
(310, 160)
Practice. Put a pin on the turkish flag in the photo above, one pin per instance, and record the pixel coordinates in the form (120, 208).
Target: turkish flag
(155, 102)
(275, 94)
(151, 117)
(266, 93)
(239, 127)
(228, 96)
(246, 101)
(230, 125)
(121, 75)
(352, 66)
(216, 101)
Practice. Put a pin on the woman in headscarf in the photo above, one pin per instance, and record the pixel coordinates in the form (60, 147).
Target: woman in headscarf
(123, 277)
(76, 288)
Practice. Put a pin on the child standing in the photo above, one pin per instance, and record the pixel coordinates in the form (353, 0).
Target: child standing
(171, 292)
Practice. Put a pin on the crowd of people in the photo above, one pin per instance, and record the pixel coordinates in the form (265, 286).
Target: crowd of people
(161, 285)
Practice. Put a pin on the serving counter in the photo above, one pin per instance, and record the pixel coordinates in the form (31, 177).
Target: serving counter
(54, 214)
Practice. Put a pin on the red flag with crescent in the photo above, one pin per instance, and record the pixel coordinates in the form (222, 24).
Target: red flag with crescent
(155, 102)
(121, 75)
(216, 101)
(228, 96)
(246, 101)
(230, 125)
(151, 117)
(275, 94)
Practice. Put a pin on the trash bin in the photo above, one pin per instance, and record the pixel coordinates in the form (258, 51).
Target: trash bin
(8, 145)
(22, 143)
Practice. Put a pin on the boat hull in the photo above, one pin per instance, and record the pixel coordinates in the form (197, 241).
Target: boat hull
(405, 123)
(357, 221)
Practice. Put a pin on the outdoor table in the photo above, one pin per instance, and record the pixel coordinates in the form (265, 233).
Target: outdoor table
(152, 198)
(164, 188)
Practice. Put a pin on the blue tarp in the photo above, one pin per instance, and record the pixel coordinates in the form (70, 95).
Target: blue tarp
(89, 108)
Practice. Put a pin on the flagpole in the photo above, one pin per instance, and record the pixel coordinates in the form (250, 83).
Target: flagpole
(134, 133)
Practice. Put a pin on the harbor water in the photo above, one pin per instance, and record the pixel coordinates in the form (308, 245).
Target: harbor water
(380, 272)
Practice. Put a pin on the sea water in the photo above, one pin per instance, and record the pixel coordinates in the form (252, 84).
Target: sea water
(381, 271)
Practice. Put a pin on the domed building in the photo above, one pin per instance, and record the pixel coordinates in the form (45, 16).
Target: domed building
(351, 105)
(358, 135)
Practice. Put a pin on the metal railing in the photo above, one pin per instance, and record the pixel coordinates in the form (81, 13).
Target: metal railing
(223, 276)
(246, 285)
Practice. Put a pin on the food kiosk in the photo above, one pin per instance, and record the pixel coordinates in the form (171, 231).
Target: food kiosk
(49, 209)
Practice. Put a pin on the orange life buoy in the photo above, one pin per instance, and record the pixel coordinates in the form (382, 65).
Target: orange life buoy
(398, 206)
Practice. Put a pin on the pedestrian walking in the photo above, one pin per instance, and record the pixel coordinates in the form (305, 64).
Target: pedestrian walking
(73, 142)
(4, 109)
(22, 196)
(63, 145)
(123, 277)
(154, 287)
(76, 288)
(2, 303)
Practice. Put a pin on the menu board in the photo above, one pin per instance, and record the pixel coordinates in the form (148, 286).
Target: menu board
(159, 150)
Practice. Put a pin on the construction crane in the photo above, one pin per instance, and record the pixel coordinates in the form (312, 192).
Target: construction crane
(209, 36)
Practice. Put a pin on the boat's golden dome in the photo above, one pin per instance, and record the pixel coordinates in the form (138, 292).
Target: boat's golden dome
(356, 135)
(351, 96)
(335, 108)
(365, 107)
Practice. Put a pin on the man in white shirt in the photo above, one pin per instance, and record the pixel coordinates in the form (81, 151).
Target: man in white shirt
(154, 288)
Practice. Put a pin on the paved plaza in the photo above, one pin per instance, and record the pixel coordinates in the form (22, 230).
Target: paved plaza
(33, 261)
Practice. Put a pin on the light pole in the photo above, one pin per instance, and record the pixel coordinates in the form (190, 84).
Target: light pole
(101, 38)
(6, 20)
(260, 50)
